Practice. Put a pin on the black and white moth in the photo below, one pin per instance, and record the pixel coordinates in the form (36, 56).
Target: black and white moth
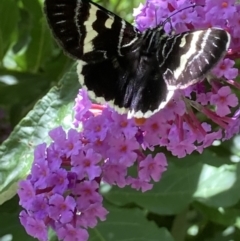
(135, 72)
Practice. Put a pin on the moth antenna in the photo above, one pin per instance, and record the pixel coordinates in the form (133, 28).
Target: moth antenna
(156, 16)
(168, 19)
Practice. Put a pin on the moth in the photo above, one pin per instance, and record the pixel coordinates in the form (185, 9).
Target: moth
(135, 72)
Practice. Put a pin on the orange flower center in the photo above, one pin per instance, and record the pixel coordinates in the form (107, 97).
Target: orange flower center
(183, 16)
(123, 148)
(98, 142)
(87, 163)
(98, 128)
(151, 167)
(63, 206)
(224, 4)
(222, 99)
(223, 67)
(155, 126)
(70, 146)
(123, 124)
(139, 121)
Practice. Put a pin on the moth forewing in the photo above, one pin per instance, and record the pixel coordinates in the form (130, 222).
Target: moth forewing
(134, 72)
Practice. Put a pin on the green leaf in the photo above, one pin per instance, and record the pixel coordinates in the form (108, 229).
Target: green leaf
(218, 187)
(229, 234)
(57, 66)
(15, 98)
(41, 40)
(16, 153)
(9, 222)
(36, 84)
(185, 180)
(227, 217)
(128, 224)
(8, 24)
(121, 224)
(177, 183)
(23, 31)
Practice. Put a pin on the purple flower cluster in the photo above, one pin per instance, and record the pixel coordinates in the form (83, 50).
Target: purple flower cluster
(62, 191)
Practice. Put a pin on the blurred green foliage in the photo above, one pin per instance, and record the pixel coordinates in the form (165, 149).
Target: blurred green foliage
(197, 198)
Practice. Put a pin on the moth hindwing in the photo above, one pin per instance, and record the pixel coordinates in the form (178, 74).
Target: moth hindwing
(136, 73)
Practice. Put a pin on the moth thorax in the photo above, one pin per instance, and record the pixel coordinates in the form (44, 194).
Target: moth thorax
(153, 40)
